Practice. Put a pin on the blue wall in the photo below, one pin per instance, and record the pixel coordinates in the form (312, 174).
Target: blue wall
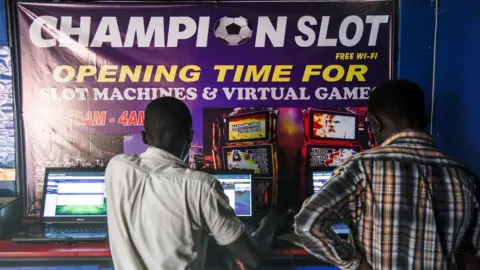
(457, 102)
(415, 43)
(456, 123)
(3, 24)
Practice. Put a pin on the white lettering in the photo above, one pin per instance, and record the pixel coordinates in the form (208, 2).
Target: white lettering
(174, 30)
(67, 30)
(50, 25)
(107, 32)
(375, 20)
(136, 29)
(303, 26)
(266, 29)
(322, 36)
(350, 42)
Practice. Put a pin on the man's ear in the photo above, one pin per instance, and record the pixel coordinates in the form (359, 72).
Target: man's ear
(144, 137)
(376, 124)
(190, 139)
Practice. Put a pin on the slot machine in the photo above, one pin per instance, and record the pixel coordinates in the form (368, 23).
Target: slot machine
(330, 138)
(246, 141)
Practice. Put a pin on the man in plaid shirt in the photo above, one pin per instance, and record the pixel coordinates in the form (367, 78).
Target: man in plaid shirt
(408, 205)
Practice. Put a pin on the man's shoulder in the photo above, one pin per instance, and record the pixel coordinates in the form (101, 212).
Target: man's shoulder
(200, 177)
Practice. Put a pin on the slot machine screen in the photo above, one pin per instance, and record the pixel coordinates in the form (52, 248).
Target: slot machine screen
(257, 158)
(329, 156)
(248, 127)
(333, 126)
(320, 178)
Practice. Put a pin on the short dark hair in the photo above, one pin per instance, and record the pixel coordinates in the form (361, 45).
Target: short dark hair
(167, 115)
(398, 100)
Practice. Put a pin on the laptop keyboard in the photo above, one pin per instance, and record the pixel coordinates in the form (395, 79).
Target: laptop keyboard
(84, 228)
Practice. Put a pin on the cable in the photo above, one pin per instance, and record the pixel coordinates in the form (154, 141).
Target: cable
(31, 211)
(434, 68)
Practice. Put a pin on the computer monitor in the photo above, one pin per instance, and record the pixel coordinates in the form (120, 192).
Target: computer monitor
(74, 193)
(320, 178)
(238, 188)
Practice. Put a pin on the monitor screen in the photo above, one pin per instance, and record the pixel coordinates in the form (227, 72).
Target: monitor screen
(248, 127)
(75, 194)
(333, 126)
(238, 188)
(320, 178)
(256, 158)
(329, 156)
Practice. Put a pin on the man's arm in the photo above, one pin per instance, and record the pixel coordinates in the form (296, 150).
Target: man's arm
(328, 206)
(229, 231)
(470, 247)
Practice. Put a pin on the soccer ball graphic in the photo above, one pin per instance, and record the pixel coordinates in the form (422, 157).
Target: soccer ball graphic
(233, 30)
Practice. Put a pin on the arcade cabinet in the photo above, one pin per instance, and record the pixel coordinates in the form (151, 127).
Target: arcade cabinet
(246, 141)
(330, 138)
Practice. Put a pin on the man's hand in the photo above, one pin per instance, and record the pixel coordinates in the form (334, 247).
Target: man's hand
(272, 221)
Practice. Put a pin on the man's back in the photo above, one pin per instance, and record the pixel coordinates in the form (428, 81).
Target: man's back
(158, 212)
(417, 204)
(409, 205)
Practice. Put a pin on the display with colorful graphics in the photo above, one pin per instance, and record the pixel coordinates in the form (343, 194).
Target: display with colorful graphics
(102, 63)
(258, 158)
(333, 126)
(329, 156)
(251, 127)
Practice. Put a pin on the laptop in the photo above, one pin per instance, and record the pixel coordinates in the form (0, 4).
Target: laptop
(74, 207)
(318, 179)
(238, 188)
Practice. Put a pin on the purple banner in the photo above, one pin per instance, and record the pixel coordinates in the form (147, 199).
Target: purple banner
(89, 70)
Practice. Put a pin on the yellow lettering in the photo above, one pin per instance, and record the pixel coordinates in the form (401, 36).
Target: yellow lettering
(134, 76)
(281, 73)
(238, 73)
(311, 70)
(107, 71)
(222, 71)
(357, 71)
(190, 73)
(85, 71)
(254, 74)
(327, 73)
(147, 74)
(69, 70)
(168, 75)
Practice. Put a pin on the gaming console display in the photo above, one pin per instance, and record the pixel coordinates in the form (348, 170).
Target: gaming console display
(257, 158)
(248, 127)
(238, 188)
(320, 178)
(333, 126)
(75, 194)
(329, 156)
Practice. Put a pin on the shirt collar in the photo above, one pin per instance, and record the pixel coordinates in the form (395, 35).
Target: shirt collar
(409, 136)
(163, 156)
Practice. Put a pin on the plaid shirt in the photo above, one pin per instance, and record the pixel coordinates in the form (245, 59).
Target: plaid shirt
(408, 207)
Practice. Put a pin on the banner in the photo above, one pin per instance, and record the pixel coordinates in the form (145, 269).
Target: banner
(89, 69)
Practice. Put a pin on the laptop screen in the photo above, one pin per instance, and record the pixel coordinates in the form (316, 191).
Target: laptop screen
(73, 193)
(320, 178)
(238, 188)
